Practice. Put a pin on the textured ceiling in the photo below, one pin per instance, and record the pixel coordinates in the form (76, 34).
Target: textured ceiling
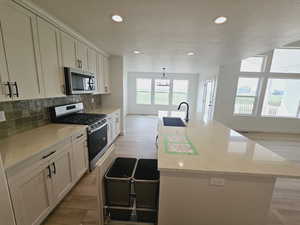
(165, 30)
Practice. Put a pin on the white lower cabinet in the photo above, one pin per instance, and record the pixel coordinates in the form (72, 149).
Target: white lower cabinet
(102, 166)
(80, 156)
(36, 189)
(61, 171)
(114, 125)
(31, 195)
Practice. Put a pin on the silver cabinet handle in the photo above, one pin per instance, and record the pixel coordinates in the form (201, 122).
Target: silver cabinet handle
(81, 135)
(8, 85)
(49, 172)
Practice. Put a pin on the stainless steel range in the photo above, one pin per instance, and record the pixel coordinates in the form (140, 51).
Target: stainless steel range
(96, 131)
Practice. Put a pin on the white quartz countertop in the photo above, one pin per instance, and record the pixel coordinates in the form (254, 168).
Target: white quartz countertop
(104, 110)
(20, 147)
(220, 150)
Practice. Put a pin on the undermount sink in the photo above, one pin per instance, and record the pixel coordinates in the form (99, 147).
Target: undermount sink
(173, 122)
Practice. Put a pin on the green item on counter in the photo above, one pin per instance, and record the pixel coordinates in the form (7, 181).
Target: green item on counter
(177, 144)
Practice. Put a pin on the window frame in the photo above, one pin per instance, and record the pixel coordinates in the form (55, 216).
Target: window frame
(172, 94)
(263, 66)
(169, 93)
(276, 76)
(255, 109)
(272, 58)
(151, 90)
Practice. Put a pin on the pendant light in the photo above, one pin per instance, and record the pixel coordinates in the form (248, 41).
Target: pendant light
(163, 82)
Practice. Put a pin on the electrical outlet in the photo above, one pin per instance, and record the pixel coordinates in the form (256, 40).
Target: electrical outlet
(2, 116)
(217, 181)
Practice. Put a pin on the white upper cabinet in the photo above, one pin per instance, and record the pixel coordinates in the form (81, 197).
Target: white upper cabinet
(82, 56)
(50, 59)
(4, 89)
(92, 61)
(68, 50)
(100, 75)
(20, 41)
(106, 74)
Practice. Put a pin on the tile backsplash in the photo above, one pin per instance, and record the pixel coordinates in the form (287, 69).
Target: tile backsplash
(28, 114)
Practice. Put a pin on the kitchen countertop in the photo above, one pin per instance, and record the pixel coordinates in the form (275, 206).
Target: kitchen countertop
(104, 110)
(220, 150)
(20, 147)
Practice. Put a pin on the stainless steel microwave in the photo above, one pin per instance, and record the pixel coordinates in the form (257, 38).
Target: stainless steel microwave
(79, 81)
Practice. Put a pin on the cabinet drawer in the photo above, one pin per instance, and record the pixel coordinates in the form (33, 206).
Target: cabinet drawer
(42, 157)
(79, 136)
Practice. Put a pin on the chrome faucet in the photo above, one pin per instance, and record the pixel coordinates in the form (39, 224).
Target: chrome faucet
(187, 110)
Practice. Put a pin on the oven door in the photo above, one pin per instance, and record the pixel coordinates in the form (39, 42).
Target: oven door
(97, 142)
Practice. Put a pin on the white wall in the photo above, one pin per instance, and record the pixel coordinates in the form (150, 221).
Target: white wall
(134, 108)
(204, 76)
(116, 97)
(224, 105)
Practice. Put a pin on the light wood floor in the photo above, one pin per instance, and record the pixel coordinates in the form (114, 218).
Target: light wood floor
(80, 205)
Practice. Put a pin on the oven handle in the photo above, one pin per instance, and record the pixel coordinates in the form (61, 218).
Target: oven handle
(98, 128)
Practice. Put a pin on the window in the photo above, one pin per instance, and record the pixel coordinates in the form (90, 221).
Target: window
(282, 98)
(180, 91)
(143, 91)
(162, 89)
(246, 95)
(253, 64)
(286, 61)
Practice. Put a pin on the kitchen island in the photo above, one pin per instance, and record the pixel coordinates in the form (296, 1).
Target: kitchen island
(212, 175)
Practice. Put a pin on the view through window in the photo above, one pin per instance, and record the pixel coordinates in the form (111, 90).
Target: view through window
(180, 91)
(143, 91)
(162, 90)
(253, 64)
(286, 61)
(246, 95)
(282, 98)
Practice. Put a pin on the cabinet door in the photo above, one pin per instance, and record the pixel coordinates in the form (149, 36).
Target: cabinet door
(31, 196)
(81, 53)
(100, 74)
(80, 157)
(92, 61)
(101, 168)
(110, 129)
(62, 173)
(106, 74)
(4, 91)
(6, 211)
(117, 123)
(50, 59)
(68, 50)
(20, 43)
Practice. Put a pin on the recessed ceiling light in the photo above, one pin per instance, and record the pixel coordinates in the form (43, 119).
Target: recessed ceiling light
(117, 18)
(191, 53)
(136, 52)
(220, 20)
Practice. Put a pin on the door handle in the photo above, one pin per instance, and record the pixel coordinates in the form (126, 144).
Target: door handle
(9, 88)
(54, 167)
(79, 136)
(46, 156)
(49, 172)
(16, 88)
